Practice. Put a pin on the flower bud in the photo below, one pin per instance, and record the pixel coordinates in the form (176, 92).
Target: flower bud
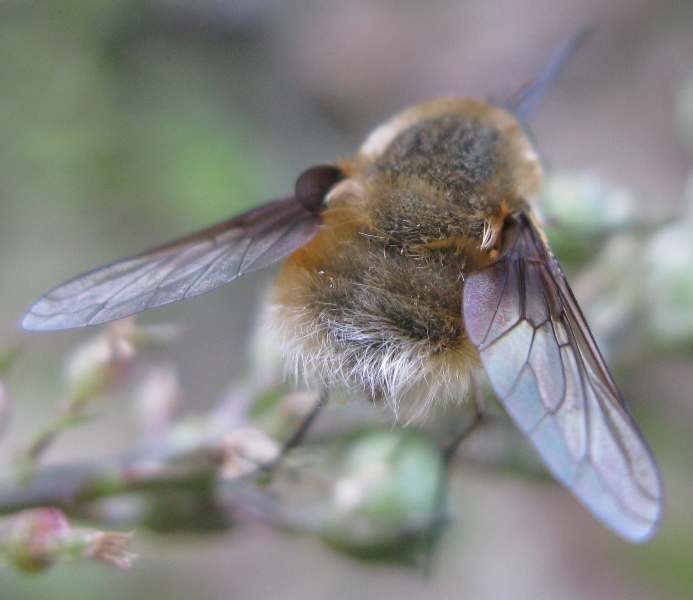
(100, 365)
(669, 283)
(36, 538)
(388, 491)
(156, 401)
(584, 207)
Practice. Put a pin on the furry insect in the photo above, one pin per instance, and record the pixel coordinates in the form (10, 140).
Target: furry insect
(407, 269)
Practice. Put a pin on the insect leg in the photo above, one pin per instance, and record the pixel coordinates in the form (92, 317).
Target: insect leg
(298, 435)
(439, 518)
(478, 418)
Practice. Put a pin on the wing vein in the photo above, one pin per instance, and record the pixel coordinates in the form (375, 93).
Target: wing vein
(543, 363)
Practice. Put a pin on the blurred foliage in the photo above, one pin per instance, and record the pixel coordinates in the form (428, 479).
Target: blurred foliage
(147, 118)
(125, 116)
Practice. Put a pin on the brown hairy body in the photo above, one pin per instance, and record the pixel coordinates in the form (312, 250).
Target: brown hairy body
(407, 269)
(373, 302)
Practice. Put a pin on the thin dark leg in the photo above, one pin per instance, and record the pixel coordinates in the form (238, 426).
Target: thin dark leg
(477, 420)
(298, 435)
(439, 519)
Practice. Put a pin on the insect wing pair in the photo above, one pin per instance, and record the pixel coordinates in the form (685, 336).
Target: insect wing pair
(533, 340)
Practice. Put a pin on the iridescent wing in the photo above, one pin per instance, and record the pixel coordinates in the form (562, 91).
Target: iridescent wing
(183, 269)
(544, 365)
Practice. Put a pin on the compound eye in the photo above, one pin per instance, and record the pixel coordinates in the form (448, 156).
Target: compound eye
(314, 184)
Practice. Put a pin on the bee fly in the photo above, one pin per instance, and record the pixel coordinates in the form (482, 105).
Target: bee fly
(407, 269)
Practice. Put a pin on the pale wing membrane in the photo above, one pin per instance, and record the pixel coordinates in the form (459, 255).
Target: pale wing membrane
(544, 364)
(183, 269)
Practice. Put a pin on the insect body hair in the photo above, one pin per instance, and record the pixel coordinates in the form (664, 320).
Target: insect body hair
(369, 359)
(374, 302)
(360, 310)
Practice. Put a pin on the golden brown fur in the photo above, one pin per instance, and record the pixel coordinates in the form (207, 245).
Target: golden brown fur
(373, 302)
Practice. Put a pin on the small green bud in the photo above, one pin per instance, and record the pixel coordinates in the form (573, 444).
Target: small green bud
(584, 209)
(669, 283)
(388, 490)
(583, 202)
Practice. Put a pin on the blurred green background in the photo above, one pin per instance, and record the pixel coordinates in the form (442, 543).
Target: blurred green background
(126, 123)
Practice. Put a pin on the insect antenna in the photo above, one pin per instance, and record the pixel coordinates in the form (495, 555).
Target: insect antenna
(525, 101)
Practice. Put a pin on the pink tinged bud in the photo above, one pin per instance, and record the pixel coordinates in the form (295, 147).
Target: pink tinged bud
(36, 538)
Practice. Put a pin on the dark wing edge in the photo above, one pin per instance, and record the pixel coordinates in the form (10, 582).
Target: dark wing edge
(544, 364)
(182, 269)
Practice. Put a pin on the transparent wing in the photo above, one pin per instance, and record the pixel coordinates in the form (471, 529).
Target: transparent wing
(182, 269)
(544, 364)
